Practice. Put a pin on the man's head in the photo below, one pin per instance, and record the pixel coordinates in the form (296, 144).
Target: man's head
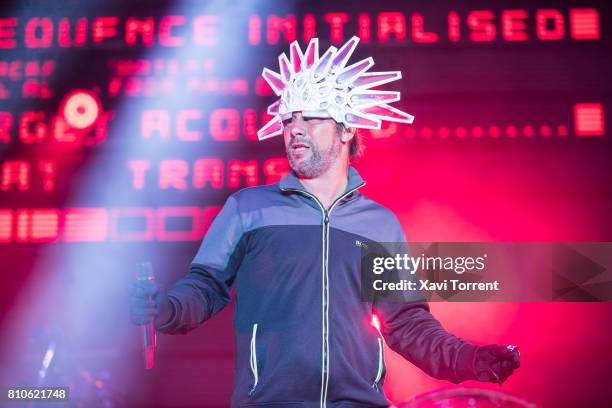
(325, 86)
(314, 145)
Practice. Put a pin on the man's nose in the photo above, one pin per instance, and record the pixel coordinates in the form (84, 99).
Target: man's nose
(298, 127)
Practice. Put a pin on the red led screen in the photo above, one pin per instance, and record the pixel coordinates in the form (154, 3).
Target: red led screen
(125, 125)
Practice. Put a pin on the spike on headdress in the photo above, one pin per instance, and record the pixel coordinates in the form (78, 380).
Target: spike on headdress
(326, 87)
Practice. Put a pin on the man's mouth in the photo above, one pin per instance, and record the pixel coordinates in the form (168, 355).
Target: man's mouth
(299, 147)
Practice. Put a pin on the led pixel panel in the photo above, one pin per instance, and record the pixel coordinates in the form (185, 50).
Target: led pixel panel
(589, 119)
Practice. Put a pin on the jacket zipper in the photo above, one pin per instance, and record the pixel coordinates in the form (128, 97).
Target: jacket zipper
(254, 359)
(381, 360)
(325, 288)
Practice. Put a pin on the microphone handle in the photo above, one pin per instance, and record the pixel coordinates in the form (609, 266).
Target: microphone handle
(148, 331)
(144, 271)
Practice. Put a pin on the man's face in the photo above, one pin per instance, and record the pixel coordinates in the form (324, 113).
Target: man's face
(312, 144)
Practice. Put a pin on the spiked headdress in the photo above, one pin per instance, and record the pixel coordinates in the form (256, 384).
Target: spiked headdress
(325, 87)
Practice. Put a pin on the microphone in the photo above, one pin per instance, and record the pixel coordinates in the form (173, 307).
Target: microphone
(144, 272)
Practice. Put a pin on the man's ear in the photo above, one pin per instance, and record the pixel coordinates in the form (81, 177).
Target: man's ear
(347, 134)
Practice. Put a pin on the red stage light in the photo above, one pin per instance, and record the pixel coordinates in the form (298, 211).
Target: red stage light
(7, 32)
(309, 27)
(391, 23)
(481, 25)
(80, 109)
(63, 35)
(33, 88)
(6, 122)
(203, 30)
(39, 33)
(254, 30)
(584, 24)
(250, 125)
(38, 225)
(85, 224)
(511, 131)
(460, 132)
(287, 25)
(155, 121)
(48, 169)
(166, 38)
(104, 27)
(494, 131)
(375, 322)
(426, 132)
(31, 127)
(336, 25)
(138, 168)
(239, 168)
(25, 225)
(454, 26)
(364, 28)
(182, 130)
(135, 28)
(22, 225)
(6, 225)
(225, 124)
(262, 88)
(419, 35)
(589, 119)
(208, 171)
(543, 30)
(514, 27)
(390, 130)
(443, 132)
(15, 172)
(274, 169)
(173, 174)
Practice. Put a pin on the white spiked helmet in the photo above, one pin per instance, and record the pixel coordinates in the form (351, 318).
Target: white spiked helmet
(325, 87)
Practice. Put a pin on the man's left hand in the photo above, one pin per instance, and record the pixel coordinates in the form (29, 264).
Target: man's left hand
(495, 363)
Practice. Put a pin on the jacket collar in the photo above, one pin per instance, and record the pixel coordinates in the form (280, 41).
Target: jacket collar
(292, 182)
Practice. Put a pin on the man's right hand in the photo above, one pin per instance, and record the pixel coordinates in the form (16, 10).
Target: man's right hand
(149, 302)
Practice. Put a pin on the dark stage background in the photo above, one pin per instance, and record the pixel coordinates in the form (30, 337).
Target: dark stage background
(124, 125)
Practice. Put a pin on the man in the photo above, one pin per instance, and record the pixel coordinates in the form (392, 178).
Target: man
(303, 334)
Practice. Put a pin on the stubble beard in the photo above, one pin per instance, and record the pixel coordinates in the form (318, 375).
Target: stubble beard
(318, 162)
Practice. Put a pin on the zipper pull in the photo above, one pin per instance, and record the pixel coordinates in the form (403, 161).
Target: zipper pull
(326, 218)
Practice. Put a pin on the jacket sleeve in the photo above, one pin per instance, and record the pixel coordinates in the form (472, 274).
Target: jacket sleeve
(412, 331)
(205, 290)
